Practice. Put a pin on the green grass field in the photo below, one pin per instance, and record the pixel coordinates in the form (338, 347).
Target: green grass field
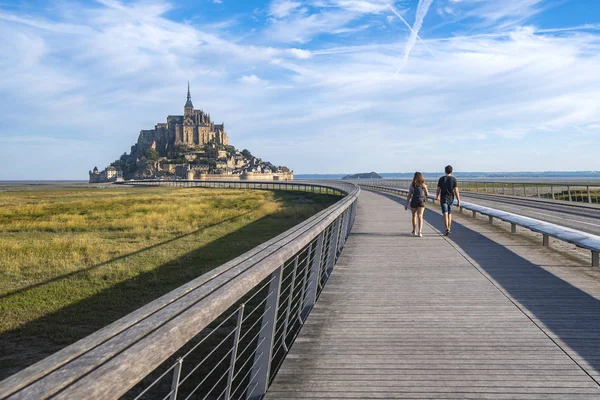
(72, 261)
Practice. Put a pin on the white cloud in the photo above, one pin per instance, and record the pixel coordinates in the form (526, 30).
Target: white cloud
(300, 53)
(505, 14)
(283, 8)
(94, 78)
(357, 6)
(301, 22)
(251, 79)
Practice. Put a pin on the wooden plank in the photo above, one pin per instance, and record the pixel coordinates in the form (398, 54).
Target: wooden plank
(434, 317)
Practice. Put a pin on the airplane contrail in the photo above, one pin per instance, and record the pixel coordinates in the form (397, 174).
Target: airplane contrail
(422, 9)
(410, 28)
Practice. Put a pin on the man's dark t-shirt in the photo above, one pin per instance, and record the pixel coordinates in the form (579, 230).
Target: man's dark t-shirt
(447, 184)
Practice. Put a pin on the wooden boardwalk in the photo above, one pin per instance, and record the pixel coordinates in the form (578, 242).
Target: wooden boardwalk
(481, 315)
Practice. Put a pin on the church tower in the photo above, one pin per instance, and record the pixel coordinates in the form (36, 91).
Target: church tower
(189, 123)
(188, 109)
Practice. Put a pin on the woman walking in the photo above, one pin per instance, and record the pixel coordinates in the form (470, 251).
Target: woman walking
(417, 195)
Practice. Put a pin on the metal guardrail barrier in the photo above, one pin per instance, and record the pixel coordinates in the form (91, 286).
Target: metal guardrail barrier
(578, 238)
(327, 187)
(572, 192)
(221, 336)
(578, 193)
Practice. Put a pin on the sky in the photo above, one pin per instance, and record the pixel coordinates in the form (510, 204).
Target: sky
(322, 86)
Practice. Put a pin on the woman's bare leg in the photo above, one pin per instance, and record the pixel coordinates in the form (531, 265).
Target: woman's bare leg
(414, 219)
(420, 212)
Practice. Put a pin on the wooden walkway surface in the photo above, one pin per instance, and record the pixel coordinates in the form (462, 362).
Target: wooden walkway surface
(479, 315)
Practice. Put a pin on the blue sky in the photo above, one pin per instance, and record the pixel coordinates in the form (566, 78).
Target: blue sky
(323, 86)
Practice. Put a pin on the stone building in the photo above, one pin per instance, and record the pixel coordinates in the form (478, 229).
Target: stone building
(109, 174)
(194, 128)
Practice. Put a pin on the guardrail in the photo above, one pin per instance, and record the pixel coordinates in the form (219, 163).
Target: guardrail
(579, 193)
(336, 188)
(220, 336)
(573, 192)
(578, 238)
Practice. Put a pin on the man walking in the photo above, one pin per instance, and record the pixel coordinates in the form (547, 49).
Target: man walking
(447, 187)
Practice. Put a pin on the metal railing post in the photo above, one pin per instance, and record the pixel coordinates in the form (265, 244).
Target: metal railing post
(288, 309)
(569, 190)
(513, 228)
(175, 381)
(513, 188)
(344, 228)
(333, 247)
(261, 371)
(304, 283)
(538, 190)
(349, 224)
(545, 240)
(595, 259)
(503, 188)
(552, 191)
(236, 342)
(589, 195)
(313, 277)
(491, 219)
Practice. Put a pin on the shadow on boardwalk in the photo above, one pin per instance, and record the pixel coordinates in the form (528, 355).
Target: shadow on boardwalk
(570, 316)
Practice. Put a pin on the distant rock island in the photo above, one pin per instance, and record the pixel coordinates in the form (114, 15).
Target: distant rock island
(188, 146)
(365, 175)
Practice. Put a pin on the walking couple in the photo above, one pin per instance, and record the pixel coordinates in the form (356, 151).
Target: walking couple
(447, 188)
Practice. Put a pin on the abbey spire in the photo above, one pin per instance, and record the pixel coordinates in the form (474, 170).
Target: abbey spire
(188, 103)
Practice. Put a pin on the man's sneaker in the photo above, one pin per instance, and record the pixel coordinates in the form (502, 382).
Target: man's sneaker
(447, 232)
(414, 233)
(420, 234)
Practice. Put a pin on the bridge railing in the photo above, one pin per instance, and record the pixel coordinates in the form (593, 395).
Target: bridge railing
(220, 336)
(547, 229)
(326, 187)
(573, 191)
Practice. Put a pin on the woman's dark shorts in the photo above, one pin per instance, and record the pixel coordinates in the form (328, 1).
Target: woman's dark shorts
(417, 205)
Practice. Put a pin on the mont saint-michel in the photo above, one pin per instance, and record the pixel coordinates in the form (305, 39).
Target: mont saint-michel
(188, 146)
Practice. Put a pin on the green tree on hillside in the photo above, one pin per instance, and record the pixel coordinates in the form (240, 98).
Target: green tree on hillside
(151, 154)
(246, 153)
(212, 152)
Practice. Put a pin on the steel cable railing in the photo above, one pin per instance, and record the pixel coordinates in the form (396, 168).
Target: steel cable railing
(222, 336)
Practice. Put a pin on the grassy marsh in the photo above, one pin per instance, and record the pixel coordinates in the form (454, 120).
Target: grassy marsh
(72, 261)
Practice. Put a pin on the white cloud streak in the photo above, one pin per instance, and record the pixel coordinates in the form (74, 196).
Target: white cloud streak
(283, 8)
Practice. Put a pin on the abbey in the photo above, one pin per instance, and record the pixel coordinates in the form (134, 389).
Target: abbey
(188, 146)
(194, 128)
